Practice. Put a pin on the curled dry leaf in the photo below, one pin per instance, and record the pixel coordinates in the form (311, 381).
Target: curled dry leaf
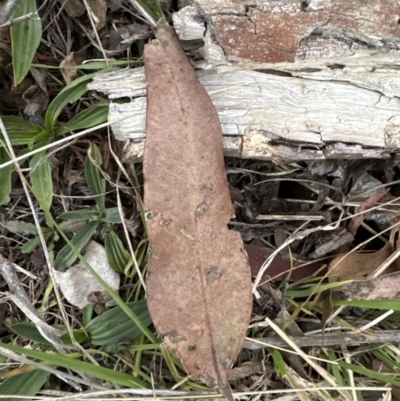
(359, 267)
(199, 282)
(77, 283)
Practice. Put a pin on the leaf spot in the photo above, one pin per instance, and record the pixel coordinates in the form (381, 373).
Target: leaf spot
(187, 234)
(149, 216)
(202, 209)
(212, 273)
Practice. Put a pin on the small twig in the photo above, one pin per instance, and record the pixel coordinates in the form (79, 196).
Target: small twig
(328, 339)
(6, 10)
(68, 378)
(20, 19)
(144, 13)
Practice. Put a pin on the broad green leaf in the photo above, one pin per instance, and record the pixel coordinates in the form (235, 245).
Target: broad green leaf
(42, 182)
(67, 256)
(30, 332)
(279, 363)
(111, 215)
(21, 227)
(91, 215)
(25, 384)
(94, 179)
(68, 362)
(31, 245)
(25, 39)
(112, 327)
(72, 92)
(118, 257)
(88, 118)
(15, 123)
(5, 177)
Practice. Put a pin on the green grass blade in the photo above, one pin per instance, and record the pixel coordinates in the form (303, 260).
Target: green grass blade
(5, 177)
(112, 327)
(72, 92)
(387, 378)
(88, 118)
(67, 256)
(42, 183)
(316, 290)
(385, 304)
(25, 39)
(118, 257)
(94, 179)
(90, 369)
(25, 384)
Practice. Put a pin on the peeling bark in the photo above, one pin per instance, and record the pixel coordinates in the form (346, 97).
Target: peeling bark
(291, 80)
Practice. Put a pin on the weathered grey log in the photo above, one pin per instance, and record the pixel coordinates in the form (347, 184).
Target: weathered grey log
(268, 116)
(333, 94)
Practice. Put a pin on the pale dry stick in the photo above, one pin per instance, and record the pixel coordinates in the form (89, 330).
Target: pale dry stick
(169, 395)
(328, 377)
(328, 339)
(351, 375)
(91, 16)
(22, 18)
(254, 340)
(21, 300)
(289, 217)
(376, 321)
(144, 13)
(292, 238)
(119, 204)
(69, 379)
(57, 143)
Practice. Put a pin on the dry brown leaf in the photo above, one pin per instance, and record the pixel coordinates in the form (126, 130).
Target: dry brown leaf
(199, 282)
(358, 266)
(67, 69)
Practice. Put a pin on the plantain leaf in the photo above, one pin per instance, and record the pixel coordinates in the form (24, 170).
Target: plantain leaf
(25, 39)
(73, 91)
(81, 215)
(118, 257)
(67, 256)
(111, 215)
(94, 179)
(5, 177)
(30, 332)
(41, 180)
(25, 384)
(112, 327)
(90, 117)
(68, 362)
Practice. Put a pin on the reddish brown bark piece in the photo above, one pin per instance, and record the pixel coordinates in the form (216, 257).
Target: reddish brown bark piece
(282, 30)
(199, 282)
